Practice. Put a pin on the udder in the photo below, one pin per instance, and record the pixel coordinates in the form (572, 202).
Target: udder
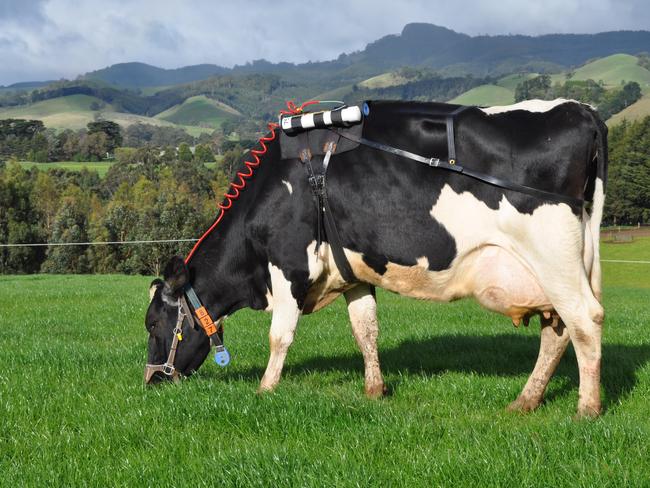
(502, 284)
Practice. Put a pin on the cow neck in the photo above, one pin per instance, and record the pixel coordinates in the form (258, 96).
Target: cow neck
(217, 269)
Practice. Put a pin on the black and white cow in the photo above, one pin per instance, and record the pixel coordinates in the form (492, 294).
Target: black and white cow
(419, 232)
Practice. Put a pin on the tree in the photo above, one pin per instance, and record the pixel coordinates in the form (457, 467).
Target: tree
(45, 197)
(203, 154)
(18, 222)
(110, 129)
(70, 225)
(538, 87)
(94, 146)
(184, 152)
(231, 161)
(628, 192)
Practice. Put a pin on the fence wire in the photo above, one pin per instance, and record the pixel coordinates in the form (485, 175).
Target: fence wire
(96, 243)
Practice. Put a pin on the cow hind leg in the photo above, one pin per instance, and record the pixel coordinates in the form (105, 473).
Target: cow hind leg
(362, 308)
(554, 341)
(286, 313)
(583, 316)
(559, 267)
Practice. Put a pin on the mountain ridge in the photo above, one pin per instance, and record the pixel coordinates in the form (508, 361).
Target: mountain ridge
(459, 53)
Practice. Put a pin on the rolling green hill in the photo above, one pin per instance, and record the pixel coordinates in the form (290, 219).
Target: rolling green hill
(384, 80)
(511, 81)
(138, 75)
(486, 95)
(75, 112)
(638, 110)
(199, 111)
(615, 69)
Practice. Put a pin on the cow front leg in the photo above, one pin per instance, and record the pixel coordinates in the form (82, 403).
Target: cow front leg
(554, 341)
(362, 308)
(286, 313)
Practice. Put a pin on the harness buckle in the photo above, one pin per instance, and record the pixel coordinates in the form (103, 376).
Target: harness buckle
(434, 162)
(168, 369)
(317, 183)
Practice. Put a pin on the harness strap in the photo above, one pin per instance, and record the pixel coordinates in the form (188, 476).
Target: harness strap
(317, 181)
(451, 143)
(456, 168)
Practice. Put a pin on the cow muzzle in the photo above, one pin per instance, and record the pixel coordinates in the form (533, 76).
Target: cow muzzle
(167, 371)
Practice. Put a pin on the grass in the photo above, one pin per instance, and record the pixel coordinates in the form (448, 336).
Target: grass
(73, 410)
(637, 111)
(74, 112)
(199, 111)
(486, 96)
(101, 167)
(511, 81)
(627, 274)
(613, 70)
(384, 80)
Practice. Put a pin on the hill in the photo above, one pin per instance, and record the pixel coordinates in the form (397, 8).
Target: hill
(613, 70)
(424, 45)
(637, 111)
(486, 95)
(73, 112)
(199, 111)
(138, 75)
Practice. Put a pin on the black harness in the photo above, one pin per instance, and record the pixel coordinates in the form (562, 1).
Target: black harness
(305, 145)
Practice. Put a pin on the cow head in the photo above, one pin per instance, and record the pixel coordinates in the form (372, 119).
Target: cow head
(161, 319)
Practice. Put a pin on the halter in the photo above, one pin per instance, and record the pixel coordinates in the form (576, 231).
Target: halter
(202, 318)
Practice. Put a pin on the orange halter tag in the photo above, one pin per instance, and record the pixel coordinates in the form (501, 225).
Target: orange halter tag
(206, 321)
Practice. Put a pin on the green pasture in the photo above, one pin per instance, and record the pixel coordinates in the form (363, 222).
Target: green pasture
(486, 96)
(74, 412)
(75, 112)
(101, 167)
(614, 70)
(199, 111)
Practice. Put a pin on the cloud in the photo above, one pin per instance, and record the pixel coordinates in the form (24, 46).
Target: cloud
(63, 38)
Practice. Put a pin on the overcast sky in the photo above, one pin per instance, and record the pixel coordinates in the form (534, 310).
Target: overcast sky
(50, 39)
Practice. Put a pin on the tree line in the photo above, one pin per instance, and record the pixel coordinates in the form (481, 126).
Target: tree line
(29, 140)
(607, 102)
(156, 198)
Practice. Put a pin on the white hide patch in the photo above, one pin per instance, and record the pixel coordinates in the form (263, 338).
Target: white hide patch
(547, 244)
(473, 224)
(528, 105)
(288, 185)
(281, 297)
(152, 291)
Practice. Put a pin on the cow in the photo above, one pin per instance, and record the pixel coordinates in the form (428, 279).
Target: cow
(416, 231)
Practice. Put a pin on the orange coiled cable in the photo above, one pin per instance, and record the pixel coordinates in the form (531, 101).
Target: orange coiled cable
(239, 182)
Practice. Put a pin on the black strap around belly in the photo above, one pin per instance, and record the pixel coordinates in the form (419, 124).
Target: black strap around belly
(451, 165)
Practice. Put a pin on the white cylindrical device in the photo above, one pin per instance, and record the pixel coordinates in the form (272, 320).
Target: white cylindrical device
(319, 120)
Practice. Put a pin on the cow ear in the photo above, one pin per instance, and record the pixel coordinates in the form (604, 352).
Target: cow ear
(153, 287)
(176, 276)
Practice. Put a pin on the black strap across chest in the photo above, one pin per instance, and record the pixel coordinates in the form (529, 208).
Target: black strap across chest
(317, 177)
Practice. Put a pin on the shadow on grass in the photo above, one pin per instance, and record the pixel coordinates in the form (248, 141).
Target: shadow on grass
(495, 355)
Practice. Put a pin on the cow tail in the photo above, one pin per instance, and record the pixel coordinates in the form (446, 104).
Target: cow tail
(593, 218)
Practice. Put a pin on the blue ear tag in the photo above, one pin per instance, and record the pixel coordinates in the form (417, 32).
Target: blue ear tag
(366, 109)
(222, 358)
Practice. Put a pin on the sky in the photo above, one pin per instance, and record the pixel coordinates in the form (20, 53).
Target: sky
(52, 39)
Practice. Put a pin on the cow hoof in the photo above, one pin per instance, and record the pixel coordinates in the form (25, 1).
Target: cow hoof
(265, 389)
(523, 404)
(376, 391)
(588, 412)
